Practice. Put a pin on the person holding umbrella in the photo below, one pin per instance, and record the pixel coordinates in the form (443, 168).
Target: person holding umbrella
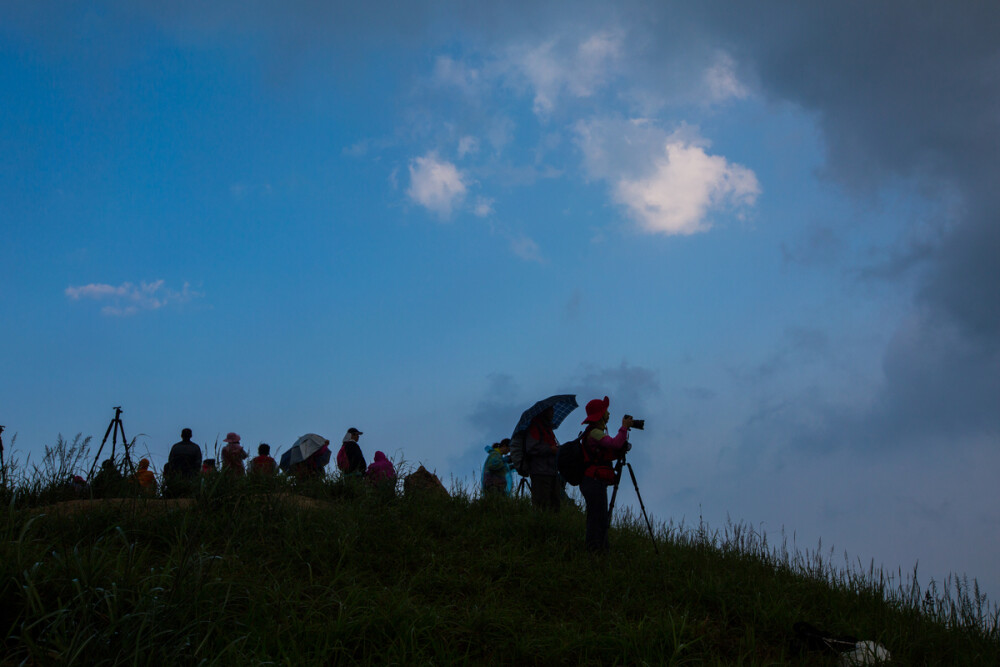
(600, 451)
(534, 448)
(307, 457)
(541, 450)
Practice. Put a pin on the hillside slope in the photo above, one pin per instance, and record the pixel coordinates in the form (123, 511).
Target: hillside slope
(249, 574)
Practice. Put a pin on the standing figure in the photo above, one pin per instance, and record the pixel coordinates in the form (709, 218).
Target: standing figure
(182, 467)
(541, 450)
(497, 476)
(233, 456)
(600, 451)
(350, 460)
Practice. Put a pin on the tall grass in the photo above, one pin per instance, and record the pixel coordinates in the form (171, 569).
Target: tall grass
(276, 571)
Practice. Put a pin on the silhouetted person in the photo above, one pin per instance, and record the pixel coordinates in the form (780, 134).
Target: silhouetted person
(185, 456)
(263, 464)
(108, 482)
(600, 451)
(233, 455)
(356, 464)
(182, 466)
(541, 450)
(145, 479)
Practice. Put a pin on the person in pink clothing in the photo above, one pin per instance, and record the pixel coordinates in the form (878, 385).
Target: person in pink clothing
(380, 470)
(233, 456)
(600, 450)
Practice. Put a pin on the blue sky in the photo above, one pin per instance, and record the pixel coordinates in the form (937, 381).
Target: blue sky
(772, 234)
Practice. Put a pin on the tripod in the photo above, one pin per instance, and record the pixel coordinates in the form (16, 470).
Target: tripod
(619, 468)
(522, 485)
(114, 428)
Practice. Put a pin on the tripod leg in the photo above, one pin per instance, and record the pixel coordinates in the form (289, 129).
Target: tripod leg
(128, 449)
(90, 475)
(614, 492)
(649, 526)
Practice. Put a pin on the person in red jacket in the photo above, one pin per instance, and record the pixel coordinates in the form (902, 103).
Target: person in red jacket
(263, 464)
(600, 451)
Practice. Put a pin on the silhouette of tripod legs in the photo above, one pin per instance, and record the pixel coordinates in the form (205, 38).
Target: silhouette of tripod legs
(614, 494)
(114, 428)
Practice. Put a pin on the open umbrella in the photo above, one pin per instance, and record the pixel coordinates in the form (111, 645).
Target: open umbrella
(561, 404)
(303, 448)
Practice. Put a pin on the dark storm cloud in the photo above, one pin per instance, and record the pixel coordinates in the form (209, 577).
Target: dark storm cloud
(632, 389)
(798, 345)
(817, 246)
(904, 90)
(497, 412)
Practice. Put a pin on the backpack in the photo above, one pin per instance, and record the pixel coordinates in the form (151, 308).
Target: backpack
(518, 461)
(342, 463)
(572, 460)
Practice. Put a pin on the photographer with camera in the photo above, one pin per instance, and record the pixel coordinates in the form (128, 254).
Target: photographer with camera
(600, 452)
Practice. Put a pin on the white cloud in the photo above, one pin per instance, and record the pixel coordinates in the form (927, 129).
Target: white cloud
(484, 207)
(554, 69)
(452, 73)
(129, 299)
(526, 248)
(467, 145)
(687, 182)
(668, 183)
(436, 184)
(721, 82)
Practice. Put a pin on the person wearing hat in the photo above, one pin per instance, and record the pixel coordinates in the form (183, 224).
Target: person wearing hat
(233, 455)
(600, 452)
(356, 464)
(263, 464)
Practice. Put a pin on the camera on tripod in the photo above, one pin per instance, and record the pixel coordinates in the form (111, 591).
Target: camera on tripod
(639, 424)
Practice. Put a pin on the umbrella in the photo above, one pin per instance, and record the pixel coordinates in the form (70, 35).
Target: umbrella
(303, 448)
(561, 404)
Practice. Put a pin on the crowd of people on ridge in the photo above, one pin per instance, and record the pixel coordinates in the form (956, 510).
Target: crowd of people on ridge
(186, 465)
(540, 453)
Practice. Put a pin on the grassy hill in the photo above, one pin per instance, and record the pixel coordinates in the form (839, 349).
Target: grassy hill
(336, 573)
